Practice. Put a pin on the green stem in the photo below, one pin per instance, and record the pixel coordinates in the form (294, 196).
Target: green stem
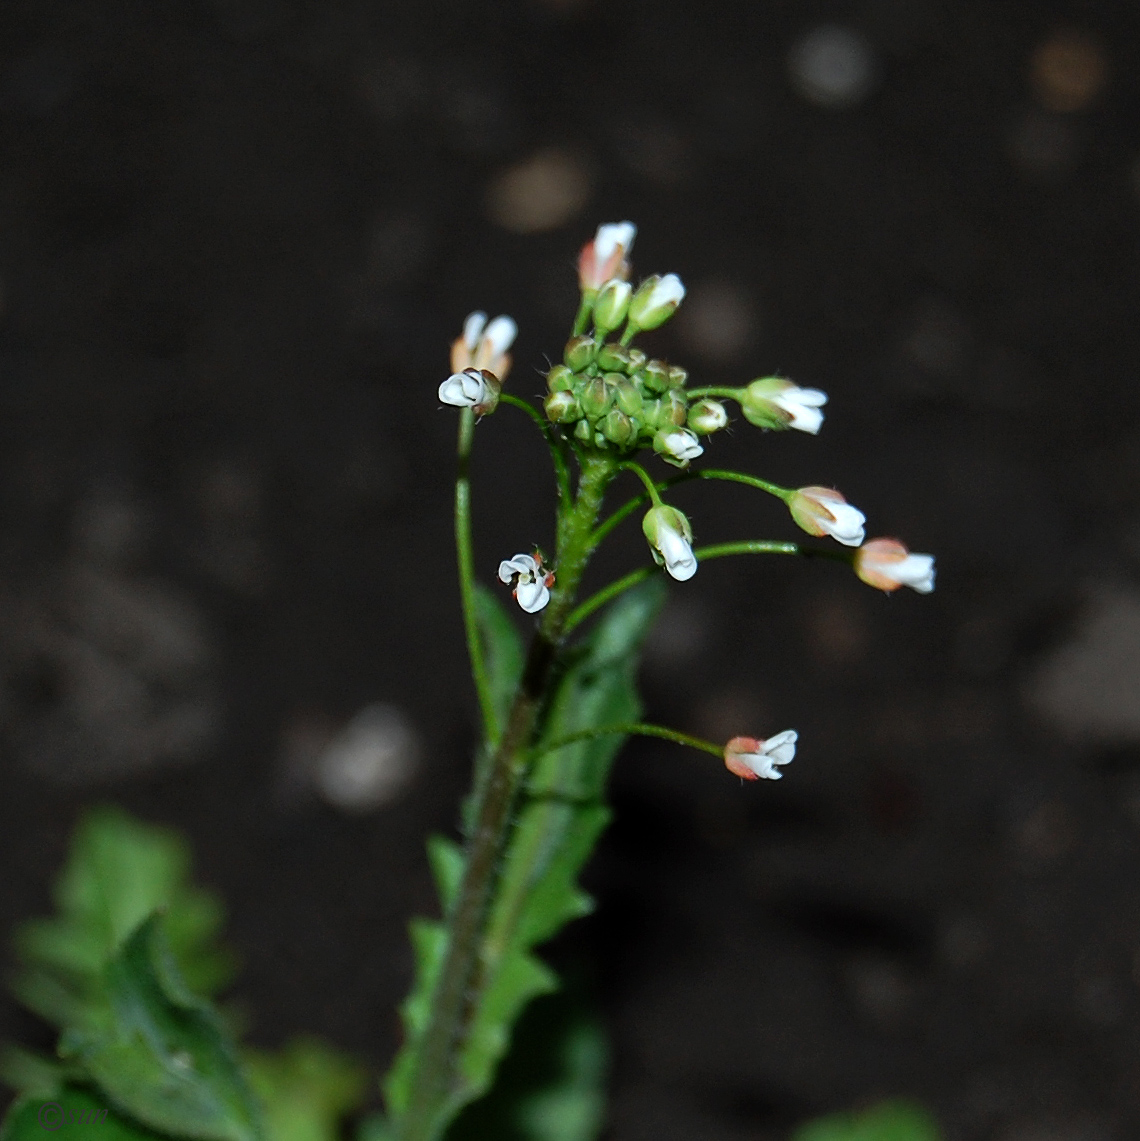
(436, 1085)
(746, 547)
(553, 442)
(639, 729)
(585, 308)
(466, 560)
(714, 390)
(784, 493)
(631, 331)
(643, 475)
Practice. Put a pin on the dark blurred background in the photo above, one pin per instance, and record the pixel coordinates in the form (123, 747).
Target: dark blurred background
(236, 237)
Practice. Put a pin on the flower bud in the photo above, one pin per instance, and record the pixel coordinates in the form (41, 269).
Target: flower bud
(627, 396)
(579, 353)
(597, 397)
(822, 511)
(637, 360)
(605, 257)
(677, 446)
(887, 564)
(751, 759)
(655, 376)
(484, 346)
(707, 416)
(618, 428)
(655, 301)
(773, 402)
(674, 409)
(472, 388)
(670, 536)
(677, 376)
(614, 358)
(563, 408)
(611, 305)
(559, 379)
(583, 431)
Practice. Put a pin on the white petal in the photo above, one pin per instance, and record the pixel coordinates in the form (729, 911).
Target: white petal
(532, 596)
(463, 390)
(523, 565)
(610, 236)
(847, 527)
(782, 747)
(500, 335)
(812, 397)
(805, 418)
(473, 329)
(915, 571)
(678, 555)
(668, 290)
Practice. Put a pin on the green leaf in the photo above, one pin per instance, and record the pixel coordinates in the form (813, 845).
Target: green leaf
(888, 1121)
(159, 1053)
(72, 1114)
(119, 872)
(306, 1089)
(502, 650)
(447, 862)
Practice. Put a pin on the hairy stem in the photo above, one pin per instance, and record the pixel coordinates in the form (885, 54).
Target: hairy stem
(436, 1085)
(635, 729)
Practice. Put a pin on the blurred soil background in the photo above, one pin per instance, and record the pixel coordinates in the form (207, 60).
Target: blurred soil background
(236, 237)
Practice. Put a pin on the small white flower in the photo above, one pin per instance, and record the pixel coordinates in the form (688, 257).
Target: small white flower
(887, 564)
(466, 389)
(749, 758)
(484, 346)
(670, 538)
(605, 257)
(822, 511)
(774, 402)
(707, 416)
(532, 582)
(677, 446)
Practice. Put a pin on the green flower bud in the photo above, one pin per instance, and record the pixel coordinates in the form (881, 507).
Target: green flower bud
(611, 305)
(583, 431)
(618, 428)
(614, 358)
(677, 376)
(773, 402)
(597, 397)
(563, 408)
(655, 301)
(707, 416)
(677, 446)
(627, 396)
(559, 379)
(579, 353)
(674, 409)
(656, 376)
(637, 361)
(670, 541)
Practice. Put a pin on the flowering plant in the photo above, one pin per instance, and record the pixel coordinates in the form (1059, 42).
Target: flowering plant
(127, 968)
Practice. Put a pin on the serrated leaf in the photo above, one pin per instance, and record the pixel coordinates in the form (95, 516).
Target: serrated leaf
(159, 1053)
(119, 871)
(305, 1089)
(72, 1114)
(888, 1121)
(502, 650)
(447, 861)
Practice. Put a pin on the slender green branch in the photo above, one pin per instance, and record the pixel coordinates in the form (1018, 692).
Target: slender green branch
(585, 308)
(638, 729)
(583, 610)
(714, 390)
(746, 547)
(553, 442)
(643, 475)
(783, 493)
(466, 560)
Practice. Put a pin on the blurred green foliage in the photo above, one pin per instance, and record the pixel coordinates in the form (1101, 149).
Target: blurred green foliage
(887, 1121)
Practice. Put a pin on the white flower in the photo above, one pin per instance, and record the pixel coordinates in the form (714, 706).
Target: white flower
(655, 301)
(749, 758)
(773, 402)
(822, 511)
(670, 536)
(887, 564)
(707, 416)
(484, 346)
(467, 389)
(532, 582)
(605, 257)
(677, 446)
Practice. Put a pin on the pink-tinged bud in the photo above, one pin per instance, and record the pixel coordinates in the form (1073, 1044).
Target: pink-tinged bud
(605, 257)
(821, 511)
(484, 346)
(751, 759)
(887, 565)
